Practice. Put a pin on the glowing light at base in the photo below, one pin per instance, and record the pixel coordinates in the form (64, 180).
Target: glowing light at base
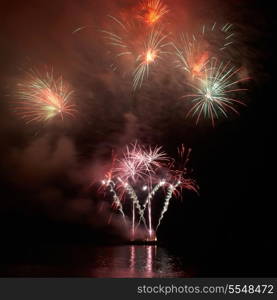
(147, 165)
(214, 91)
(43, 97)
(150, 56)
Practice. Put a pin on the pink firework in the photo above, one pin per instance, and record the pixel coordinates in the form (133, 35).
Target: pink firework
(178, 172)
(178, 180)
(139, 162)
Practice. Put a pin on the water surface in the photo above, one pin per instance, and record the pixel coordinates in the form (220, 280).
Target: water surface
(127, 261)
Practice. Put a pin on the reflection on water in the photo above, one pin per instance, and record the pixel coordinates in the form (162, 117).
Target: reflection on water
(137, 261)
(107, 262)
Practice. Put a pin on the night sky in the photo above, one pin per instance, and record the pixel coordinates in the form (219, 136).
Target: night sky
(49, 172)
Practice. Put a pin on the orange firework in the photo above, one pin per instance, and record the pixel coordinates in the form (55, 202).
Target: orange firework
(41, 98)
(193, 52)
(190, 55)
(151, 11)
(140, 48)
(154, 49)
(199, 64)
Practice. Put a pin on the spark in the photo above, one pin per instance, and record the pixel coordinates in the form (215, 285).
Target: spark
(166, 202)
(43, 97)
(116, 200)
(147, 203)
(134, 197)
(136, 205)
(214, 91)
(79, 29)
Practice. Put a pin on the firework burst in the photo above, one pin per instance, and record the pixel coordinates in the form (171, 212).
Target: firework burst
(139, 48)
(154, 49)
(190, 56)
(136, 167)
(139, 162)
(138, 172)
(42, 98)
(149, 159)
(214, 91)
(194, 51)
(151, 11)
